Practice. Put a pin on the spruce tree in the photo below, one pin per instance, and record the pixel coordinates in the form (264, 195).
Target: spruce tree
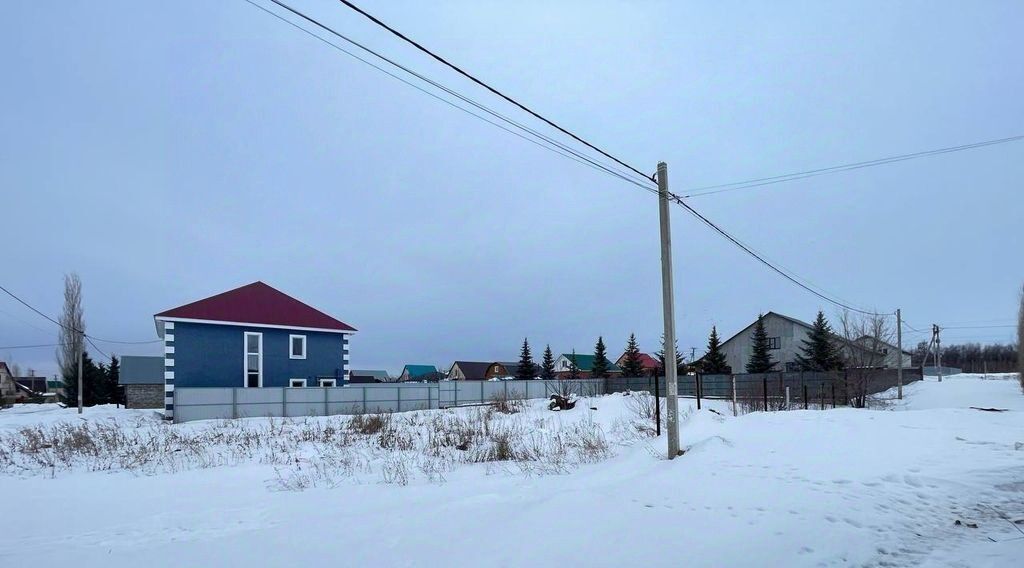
(91, 377)
(574, 369)
(714, 361)
(760, 358)
(113, 377)
(547, 365)
(632, 365)
(527, 368)
(661, 359)
(601, 362)
(819, 352)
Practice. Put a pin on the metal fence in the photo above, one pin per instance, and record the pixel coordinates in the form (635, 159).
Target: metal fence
(755, 390)
(222, 403)
(456, 393)
(768, 390)
(933, 371)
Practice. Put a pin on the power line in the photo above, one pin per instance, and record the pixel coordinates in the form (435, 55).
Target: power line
(559, 148)
(759, 182)
(467, 75)
(642, 181)
(34, 346)
(979, 326)
(531, 131)
(765, 262)
(69, 328)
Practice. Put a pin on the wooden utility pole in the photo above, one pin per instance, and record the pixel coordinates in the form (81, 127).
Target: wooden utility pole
(81, 350)
(899, 354)
(938, 350)
(667, 300)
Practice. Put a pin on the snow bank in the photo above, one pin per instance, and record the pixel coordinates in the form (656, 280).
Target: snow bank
(838, 487)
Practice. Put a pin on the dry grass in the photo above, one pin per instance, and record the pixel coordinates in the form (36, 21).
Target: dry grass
(392, 448)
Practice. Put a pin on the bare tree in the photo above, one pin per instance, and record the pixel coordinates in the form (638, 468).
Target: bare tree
(72, 321)
(865, 341)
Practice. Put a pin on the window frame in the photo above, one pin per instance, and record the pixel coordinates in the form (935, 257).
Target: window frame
(334, 383)
(245, 358)
(292, 385)
(291, 345)
(776, 342)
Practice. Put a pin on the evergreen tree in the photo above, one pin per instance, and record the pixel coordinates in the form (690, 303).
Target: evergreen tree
(547, 365)
(91, 376)
(527, 368)
(680, 366)
(574, 369)
(632, 365)
(714, 361)
(819, 352)
(601, 362)
(116, 392)
(760, 358)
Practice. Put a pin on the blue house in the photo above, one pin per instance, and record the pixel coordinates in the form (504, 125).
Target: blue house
(254, 336)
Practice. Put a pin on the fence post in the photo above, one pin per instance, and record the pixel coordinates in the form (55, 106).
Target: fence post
(506, 390)
(325, 398)
(833, 394)
(364, 399)
(821, 392)
(399, 390)
(764, 387)
(805, 396)
(696, 388)
(481, 392)
(734, 410)
(657, 405)
(787, 397)
(284, 402)
(234, 402)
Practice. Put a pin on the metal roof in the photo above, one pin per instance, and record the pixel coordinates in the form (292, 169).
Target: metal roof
(141, 370)
(256, 303)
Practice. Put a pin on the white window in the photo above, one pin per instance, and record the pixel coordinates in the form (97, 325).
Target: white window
(297, 346)
(328, 382)
(296, 383)
(253, 359)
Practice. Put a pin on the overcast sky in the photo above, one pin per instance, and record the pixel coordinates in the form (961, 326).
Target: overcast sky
(167, 151)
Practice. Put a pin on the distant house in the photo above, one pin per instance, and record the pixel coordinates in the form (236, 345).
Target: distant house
(367, 376)
(420, 373)
(143, 381)
(8, 388)
(650, 364)
(22, 389)
(887, 351)
(584, 363)
(468, 370)
(254, 336)
(785, 341)
(501, 370)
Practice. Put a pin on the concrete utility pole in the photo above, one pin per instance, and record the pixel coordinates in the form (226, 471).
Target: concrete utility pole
(938, 351)
(667, 299)
(899, 354)
(81, 349)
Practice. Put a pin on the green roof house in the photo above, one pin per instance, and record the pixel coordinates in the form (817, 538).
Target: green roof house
(585, 364)
(420, 373)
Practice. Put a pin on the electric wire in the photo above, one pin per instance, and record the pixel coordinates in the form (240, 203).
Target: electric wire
(621, 175)
(641, 181)
(759, 182)
(469, 76)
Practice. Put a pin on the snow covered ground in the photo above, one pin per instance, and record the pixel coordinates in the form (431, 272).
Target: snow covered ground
(838, 487)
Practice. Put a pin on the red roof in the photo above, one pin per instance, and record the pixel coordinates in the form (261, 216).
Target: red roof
(260, 304)
(646, 360)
